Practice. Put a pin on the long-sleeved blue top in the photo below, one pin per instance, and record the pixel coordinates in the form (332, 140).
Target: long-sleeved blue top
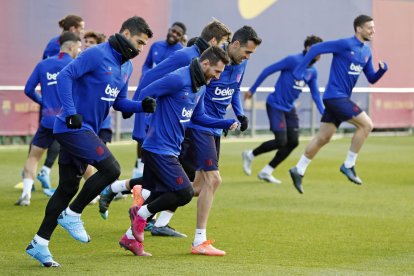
(45, 74)
(350, 58)
(159, 51)
(176, 60)
(286, 91)
(52, 48)
(220, 93)
(91, 84)
(177, 105)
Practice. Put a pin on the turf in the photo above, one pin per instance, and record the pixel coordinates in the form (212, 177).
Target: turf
(335, 228)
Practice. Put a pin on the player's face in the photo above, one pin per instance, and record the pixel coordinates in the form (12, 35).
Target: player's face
(138, 41)
(213, 71)
(224, 40)
(80, 30)
(90, 41)
(241, 53)
(366, 32)
(175, 35)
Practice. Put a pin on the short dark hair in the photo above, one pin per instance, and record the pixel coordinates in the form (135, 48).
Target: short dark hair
(215, 29)
(70, 20)
(99, 37)
(215, 54)
(68, 36)
(181, 25)
(361, 20)
(136, 25)
(312, 39)
(246, 33)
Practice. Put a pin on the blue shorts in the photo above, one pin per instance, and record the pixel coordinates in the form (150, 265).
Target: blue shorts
(81, 148)
(281, 120)
(139, 131)
(339, 110)
(105, 134)
(204, 149)
(43, 137)
(163, 173)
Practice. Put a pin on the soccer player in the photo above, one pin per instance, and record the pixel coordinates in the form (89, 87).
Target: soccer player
(88, 87)
(215, 33)
(74, 24)
(284, 121)
(71, 23)
(92, 38)
(159, 51)
(203, 147)
(45, 74)
(351, 56)
(180, 100)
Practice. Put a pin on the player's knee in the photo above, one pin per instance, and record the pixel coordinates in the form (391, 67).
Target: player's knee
(215, 179)
(280, 140)
(184, 196)
(292, 144)
(323, 139)
(369, 127)
(110, 167)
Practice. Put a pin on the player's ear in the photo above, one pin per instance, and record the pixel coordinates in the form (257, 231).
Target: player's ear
(126, 33)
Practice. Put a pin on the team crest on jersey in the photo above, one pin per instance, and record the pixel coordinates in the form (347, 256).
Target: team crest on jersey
(238, 77)
(179, 180)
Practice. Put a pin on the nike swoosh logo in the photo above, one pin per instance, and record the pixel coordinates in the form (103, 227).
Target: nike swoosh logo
(250, 9)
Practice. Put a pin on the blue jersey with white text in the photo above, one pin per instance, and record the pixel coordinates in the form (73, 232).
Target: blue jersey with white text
(45, 74)
(52, 48)
(91, 84)
(176, 60)
(159, 51)
(286, 90)
(177, 105)
(350, 58)
(221, 93)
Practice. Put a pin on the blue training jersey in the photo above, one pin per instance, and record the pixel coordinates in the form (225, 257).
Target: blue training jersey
(159, 51)
(220, 93)
(286, 91)
(176, 60)
(52, 48)
(350, 58)
(177, 105)
(91, 84)
(45, 74)
(106, 124)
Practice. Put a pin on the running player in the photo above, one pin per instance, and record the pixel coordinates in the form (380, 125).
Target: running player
(351, 57)
(284, 121)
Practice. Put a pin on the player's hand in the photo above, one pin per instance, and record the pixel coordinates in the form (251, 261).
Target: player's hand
(244, 122)
(127, 115)
(248, 95)
(299, 84)
(234, 126)
(383, 65)
(74, 121)
(149, 105)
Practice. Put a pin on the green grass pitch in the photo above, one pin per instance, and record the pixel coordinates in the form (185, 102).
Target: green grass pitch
(335, 228)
